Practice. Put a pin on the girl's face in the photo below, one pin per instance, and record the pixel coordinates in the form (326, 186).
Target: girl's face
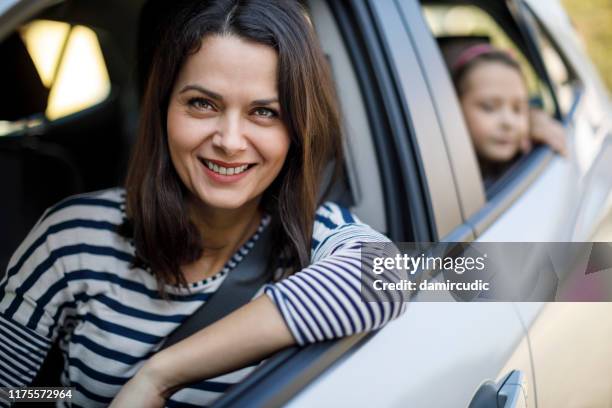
(495, 105)
(226, 138)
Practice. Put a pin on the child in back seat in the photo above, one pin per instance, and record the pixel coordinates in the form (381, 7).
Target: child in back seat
(495, 102)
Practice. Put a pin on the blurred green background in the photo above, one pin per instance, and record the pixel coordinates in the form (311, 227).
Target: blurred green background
(593, 21)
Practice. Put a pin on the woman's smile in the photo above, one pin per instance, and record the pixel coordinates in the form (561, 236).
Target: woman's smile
(223, 172)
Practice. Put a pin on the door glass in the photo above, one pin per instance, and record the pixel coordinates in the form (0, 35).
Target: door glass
(561, 75)
(60, 69)
(70, 62)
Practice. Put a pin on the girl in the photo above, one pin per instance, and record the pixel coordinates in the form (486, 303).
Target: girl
(495, 102)
(238, 122)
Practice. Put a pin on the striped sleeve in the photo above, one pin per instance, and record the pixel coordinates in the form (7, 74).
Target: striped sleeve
(28, 321)
(327, 300)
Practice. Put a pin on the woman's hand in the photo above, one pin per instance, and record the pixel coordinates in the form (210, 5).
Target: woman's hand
(243, 337)
(145, 390)
(546, 130)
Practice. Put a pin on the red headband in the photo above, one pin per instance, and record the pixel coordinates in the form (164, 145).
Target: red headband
(473, 52)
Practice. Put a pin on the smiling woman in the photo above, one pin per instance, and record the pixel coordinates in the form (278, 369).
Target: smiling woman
(219, 125)
(238, 122)
(218, 122)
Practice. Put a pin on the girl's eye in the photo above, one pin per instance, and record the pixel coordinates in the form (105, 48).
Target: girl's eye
(487, 107)
(200, 104)
(265, 113)
(520, 109)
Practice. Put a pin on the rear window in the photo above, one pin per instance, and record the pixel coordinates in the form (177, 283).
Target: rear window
(70, 66)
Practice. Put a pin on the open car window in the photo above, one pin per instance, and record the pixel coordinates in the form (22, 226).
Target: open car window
(460, 22)
(84, 142)
(458, 26)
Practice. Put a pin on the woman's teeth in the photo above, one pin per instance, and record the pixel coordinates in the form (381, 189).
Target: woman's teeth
(225, 171)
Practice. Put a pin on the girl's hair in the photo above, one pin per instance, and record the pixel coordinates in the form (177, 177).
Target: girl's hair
(158, 220)
(475, 55)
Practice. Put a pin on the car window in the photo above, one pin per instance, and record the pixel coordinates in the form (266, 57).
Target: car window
(471, 21)
(563, 78)
(457, 27)
(62, 118)
(70, 66)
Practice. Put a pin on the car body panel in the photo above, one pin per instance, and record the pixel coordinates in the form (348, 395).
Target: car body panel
(564, 200)
(435, 355)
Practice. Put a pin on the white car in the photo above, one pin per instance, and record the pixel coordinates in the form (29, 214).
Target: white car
(412, 174)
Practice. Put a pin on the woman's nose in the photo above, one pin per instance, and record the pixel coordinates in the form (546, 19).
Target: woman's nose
(229, 136)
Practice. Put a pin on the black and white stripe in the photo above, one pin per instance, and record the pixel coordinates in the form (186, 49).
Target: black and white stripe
(71, 282)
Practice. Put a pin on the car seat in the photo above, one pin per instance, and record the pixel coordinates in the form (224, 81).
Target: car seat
(34, 173)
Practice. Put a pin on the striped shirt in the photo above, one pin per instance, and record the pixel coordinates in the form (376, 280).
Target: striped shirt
(72, 281)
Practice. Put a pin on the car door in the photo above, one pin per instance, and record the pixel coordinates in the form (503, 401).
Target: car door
(553, 199)
(437, 354)
(567, 376)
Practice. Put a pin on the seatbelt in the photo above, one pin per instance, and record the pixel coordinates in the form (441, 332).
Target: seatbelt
(236, 290)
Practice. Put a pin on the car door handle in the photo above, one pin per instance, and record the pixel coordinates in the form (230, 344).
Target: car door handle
(510, 392)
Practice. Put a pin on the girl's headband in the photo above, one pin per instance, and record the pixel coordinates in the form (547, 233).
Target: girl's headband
(473, 52)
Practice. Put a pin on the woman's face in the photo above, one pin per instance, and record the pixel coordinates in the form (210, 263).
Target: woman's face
(225, 134)
(495, 105)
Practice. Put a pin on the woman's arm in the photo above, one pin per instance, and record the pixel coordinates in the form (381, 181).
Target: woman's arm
(321, 302)
(32, 292)
(245, 336)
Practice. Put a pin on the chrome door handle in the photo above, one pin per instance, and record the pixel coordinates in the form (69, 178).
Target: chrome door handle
(510, 392)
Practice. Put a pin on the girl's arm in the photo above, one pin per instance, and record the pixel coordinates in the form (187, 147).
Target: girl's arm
(246, 336)
(545, 130)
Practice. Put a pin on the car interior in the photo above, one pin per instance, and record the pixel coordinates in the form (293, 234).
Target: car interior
(67, 123)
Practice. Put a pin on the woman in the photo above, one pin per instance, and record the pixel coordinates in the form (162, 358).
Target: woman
(238, 122)
(495, 102)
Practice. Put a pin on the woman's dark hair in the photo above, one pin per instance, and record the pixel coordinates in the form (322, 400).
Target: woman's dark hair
(460, 72)
(163, 234)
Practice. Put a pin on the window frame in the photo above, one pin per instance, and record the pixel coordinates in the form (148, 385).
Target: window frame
(422, 132)
(535, 29)
(408, 203)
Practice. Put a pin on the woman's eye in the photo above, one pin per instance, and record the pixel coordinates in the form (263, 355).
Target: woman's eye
(200, 104)
(265, 113)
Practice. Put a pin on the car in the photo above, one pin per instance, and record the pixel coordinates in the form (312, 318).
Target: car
(412, 174)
